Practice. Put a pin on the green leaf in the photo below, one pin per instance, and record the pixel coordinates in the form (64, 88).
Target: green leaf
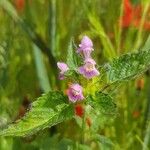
(50, 109)
(102, 102)
(72, 57)
(130, 65)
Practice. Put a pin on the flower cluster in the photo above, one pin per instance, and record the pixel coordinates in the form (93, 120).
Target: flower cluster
(88, 69)
(132, 15)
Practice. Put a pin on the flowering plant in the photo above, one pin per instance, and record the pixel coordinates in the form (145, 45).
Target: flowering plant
(88, 70)
(88, 101)
(87, 96)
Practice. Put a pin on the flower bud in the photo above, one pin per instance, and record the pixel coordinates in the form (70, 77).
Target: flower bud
(85, 47)
(63, 68)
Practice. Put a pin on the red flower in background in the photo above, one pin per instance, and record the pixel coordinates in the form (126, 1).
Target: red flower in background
(136, 114)
(79, 110)
(132, 15)
(127, 13)
(20, 4)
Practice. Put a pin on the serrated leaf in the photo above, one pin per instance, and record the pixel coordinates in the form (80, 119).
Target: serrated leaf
(50, 109)
(130, 65)
(103, 102)
(72, 57)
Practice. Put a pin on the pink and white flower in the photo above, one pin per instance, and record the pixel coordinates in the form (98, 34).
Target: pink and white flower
(85, 47)
(74, 92)
(63, 68)
(88, 70)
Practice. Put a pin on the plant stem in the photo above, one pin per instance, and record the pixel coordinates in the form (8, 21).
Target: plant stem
(120, 29)
(139, 36)
(147, 121)
(83, 129)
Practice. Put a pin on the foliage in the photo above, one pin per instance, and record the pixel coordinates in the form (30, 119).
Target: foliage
(46, 111)
(31, 42)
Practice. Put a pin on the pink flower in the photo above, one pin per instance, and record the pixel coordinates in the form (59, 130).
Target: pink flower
(75, 92)
(63, 68)
(85, 47)
(88, 70)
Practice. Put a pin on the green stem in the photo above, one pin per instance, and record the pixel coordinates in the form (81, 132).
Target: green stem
(52, 24)
(147, 121)
(120, 29)
(147, 138)
(139, 36)
(83, 129)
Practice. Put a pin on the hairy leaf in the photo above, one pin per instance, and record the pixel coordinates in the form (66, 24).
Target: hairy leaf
(130, 65)
(103, 102)
(72, 57)
(50, 109)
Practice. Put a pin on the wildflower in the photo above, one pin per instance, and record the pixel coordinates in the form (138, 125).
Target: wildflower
(85, 47)
(127, 13)
(20, 4)
(88, 70)
(75, 93)
(132, 15)
(79, 110)
(63, 68)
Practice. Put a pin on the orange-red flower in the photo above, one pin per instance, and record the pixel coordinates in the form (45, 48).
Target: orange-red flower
(127, 17)
(20, 4)
(132, 15)
(79, 110)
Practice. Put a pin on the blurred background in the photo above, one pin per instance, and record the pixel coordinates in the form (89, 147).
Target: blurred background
(35, 34)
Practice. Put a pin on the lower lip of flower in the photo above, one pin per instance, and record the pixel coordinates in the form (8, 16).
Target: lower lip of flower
(89, 67)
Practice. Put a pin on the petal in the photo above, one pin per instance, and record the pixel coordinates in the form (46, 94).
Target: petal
(91, 74)
(90, 60)
(81, 70)
(62, 66)
(96, 72)
(86, 41)
(85, 45)
(81, 97)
